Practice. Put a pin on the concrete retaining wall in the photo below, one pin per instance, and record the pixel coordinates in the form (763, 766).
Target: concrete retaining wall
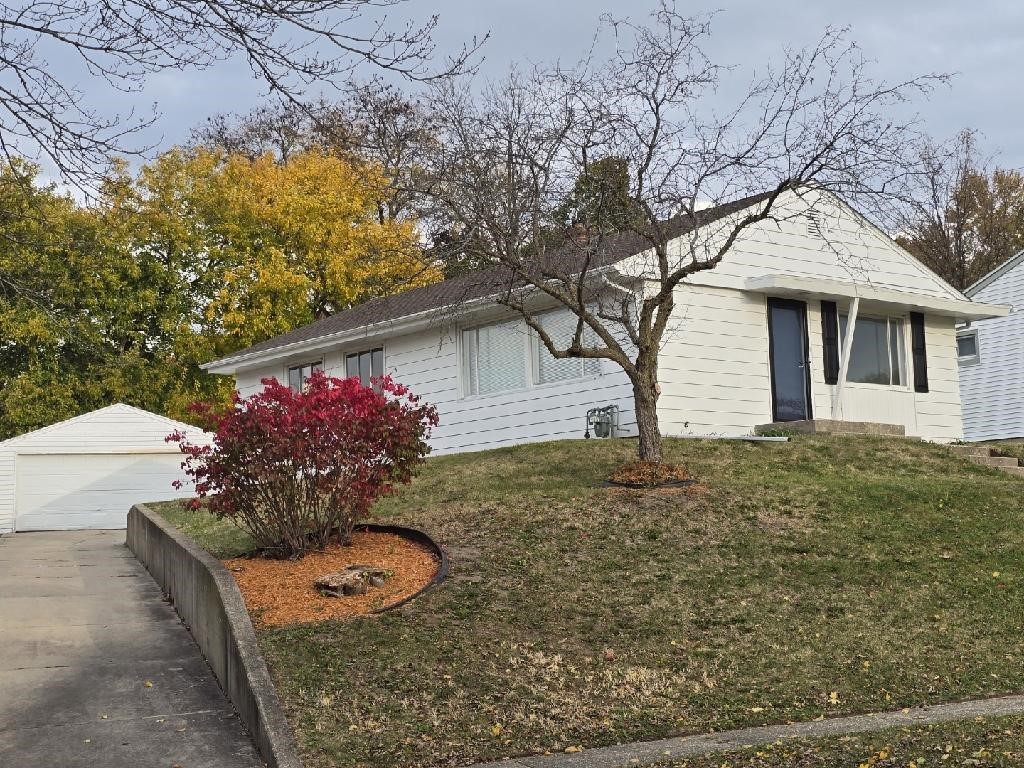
(208, 600)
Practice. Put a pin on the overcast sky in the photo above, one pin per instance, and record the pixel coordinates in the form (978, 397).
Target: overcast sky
(982, 41)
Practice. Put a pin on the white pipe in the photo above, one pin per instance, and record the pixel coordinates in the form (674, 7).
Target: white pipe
(844, 360)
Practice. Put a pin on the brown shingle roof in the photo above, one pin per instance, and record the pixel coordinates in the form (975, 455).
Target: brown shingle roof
(477, 285)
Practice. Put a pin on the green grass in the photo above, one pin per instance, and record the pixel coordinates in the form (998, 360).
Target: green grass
(993, 743)
(818, 577)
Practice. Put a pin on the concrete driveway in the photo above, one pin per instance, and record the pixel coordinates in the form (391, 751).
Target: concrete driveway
(96, 669)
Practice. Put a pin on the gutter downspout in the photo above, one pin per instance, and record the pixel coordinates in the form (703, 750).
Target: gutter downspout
(844, 361)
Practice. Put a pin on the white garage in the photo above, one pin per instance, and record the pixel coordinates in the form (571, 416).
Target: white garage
(86, 472)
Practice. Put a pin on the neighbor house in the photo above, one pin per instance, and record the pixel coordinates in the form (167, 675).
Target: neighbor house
(991, 357)
(762, 338)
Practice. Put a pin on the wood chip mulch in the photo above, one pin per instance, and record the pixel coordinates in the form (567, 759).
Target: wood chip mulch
(648, 474)
(279, 592)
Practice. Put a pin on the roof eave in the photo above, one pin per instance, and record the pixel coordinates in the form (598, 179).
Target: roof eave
(794, 285)
(231, 365)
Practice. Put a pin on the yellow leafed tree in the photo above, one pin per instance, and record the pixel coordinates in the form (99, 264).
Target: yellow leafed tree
(267, 246)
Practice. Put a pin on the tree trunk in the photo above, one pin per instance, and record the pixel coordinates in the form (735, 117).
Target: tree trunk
(645, 403)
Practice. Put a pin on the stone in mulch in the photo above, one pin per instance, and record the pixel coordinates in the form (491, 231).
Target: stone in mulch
(354, 580)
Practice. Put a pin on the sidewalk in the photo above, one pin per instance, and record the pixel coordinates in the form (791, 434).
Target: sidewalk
(652, 752)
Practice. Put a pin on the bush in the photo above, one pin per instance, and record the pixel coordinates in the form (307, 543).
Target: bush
(294, 468)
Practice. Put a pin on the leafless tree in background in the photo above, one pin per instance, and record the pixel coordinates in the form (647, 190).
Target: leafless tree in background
(512, 154)
(966, 216)
(370, 121)
(291, 45)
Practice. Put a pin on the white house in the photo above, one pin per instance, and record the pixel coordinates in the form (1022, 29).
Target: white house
(991, 356)
(761, 338)
(87, 472)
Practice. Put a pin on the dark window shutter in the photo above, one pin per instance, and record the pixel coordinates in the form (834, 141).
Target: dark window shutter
(830, 341)
(917, 348)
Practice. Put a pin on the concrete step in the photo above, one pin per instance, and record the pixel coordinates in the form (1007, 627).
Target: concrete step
(997, 461)
(1016, 471)
(833, 427)
(971, 450)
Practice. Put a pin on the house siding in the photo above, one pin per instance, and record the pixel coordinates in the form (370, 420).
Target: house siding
(713, 367)
(992, 388)
(428, 363)
(716, 378)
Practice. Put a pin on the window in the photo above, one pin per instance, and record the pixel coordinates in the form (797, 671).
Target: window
(507, 356)
(298, 374)
(365, 366)
(494, 358)
(561, 326)
(967, 346)
(878, 354)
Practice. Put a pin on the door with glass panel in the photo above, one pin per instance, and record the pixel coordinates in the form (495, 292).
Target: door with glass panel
(789, 360)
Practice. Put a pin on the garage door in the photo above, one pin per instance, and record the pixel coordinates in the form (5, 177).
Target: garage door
(74, 491)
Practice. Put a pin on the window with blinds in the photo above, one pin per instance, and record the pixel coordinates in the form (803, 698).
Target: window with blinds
(494, 358)
(561, 326)
(507, 356)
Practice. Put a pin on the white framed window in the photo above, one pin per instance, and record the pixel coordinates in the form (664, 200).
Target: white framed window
(297, 374)
(967, 350)
(494, 358)
(878, 354)
(366, 365)
(547, 369)
(507, 356)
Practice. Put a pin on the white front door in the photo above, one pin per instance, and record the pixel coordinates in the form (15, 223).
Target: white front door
(75, 491)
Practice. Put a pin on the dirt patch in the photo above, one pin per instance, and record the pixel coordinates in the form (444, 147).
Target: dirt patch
(280, 592)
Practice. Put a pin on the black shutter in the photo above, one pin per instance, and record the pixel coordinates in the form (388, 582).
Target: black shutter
(830, 341)
(918, 350)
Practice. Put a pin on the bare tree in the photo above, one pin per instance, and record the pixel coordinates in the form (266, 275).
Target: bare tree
(371, 121)
(289, 44)
(512, 153)
(965, 217)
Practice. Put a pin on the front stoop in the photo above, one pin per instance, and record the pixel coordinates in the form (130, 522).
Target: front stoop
(983, 455)
(833, 427)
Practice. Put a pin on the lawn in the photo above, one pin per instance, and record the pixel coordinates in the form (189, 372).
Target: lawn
(818, 577)
(991, 743)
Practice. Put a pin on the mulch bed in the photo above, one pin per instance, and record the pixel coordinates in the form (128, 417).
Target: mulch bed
(649, 474)
(279, 592)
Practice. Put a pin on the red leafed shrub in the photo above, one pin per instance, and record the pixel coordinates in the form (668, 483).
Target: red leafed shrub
(294, 468)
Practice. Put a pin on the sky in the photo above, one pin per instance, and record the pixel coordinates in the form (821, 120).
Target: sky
(981, 42)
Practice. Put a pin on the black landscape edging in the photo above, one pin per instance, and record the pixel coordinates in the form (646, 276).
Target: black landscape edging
(208, 600)
(419, 537)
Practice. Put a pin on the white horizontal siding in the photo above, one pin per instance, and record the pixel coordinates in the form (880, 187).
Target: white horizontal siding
(713, 367)
(992, 389)
(6, 491)
(428, 363)
(849, 250)
(716, 380)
